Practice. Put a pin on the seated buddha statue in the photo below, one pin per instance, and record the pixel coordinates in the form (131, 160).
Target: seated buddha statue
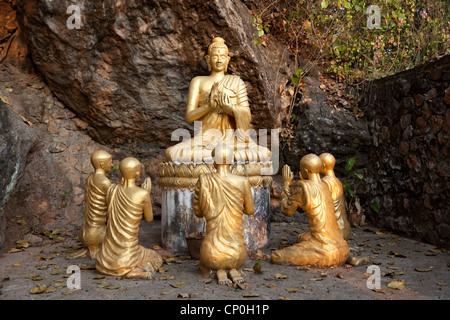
(220, 102)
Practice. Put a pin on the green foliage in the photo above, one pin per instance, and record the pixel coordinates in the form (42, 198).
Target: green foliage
(262, 29)
(336, 34)
(299, 73)
(350, 164)
(375, 206)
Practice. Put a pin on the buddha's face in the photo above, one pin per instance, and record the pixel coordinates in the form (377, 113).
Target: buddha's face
(218, 59)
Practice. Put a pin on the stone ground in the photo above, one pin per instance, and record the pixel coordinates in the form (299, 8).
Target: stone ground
(422, 269)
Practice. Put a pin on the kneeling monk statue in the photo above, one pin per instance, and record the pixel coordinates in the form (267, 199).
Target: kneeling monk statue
(325, 247)
(120, 254)
(222, 198)
(93, 229)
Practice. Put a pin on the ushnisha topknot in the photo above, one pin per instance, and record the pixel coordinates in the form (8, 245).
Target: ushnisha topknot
(217, 42)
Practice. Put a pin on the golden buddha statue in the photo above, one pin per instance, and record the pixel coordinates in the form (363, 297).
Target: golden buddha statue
(220, 102)
(93, 229)
(325, 245)
(222, 198)
(120, 253)
(337, 193)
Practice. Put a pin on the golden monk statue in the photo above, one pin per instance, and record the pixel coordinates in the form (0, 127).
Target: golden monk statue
(325, 245)
(220, 102)
(93, 229)
(337, 193)
(222, 198)
(120, 254)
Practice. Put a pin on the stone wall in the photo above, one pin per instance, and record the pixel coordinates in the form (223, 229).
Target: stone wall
(408, 117)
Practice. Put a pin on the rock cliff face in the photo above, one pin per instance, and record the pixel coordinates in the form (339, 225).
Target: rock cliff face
(118, 83)
(125, 72)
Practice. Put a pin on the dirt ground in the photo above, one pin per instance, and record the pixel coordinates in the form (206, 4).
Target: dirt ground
(420, 271)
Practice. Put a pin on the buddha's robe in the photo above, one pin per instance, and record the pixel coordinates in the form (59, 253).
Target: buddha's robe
(326, 247)
(120, 252)
(93, 229)
(216, 127)
(222, 205)
(337, 194)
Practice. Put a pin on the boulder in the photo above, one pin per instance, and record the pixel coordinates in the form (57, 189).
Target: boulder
(126, 71)
(16, 141)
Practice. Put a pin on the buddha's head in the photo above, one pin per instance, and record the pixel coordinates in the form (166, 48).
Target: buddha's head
(310, 165)
(328, 162)
(101, 159)
(217, 57)
(130, 168)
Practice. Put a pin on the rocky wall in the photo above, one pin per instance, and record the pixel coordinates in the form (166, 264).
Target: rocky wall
(408, 116)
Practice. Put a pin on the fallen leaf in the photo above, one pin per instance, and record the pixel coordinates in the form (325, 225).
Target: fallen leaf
(442, 283)
(397, 285)
(242, 285)
(183, 295)
(250, 295)
(206, 280)
(340, 276)
(55, 272)
(17, 264)
(280, 276)
(283, 298)
(39, 289)
(379, 290)
(303, 268)
(423, 269)
(178, 284)
(270, 285)
(291, 290)
(14, 250)
(25, 120)
(5, 100)
(166, 278)
(59, 285)
(395, 254)
(316, 279)
(324, 274)
(99, 277)
(68, 292)
(306, 287)
(87, 266)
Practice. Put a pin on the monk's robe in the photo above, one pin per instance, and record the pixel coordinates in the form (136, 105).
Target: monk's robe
(222, 205)
(93, 229)
(216, 125)
(326, 247)
(120, 252)
(337, 194)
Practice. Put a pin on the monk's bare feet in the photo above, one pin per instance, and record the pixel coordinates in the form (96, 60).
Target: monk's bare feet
(236, 276)
(222, 278)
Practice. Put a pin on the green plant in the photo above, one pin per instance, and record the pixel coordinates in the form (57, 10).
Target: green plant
(375, 206)
(262, 29)
(336, 34)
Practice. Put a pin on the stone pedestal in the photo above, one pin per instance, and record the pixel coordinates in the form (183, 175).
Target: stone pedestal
(178, 220)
